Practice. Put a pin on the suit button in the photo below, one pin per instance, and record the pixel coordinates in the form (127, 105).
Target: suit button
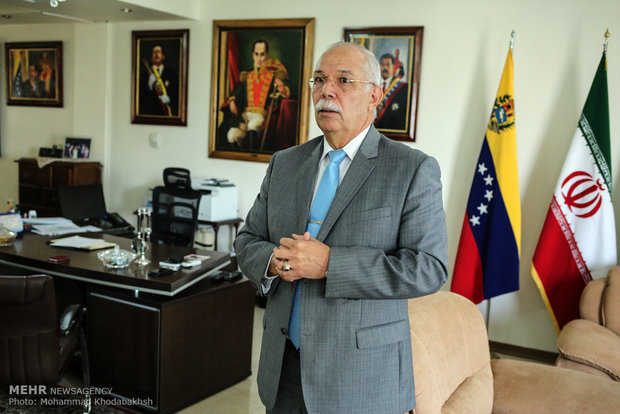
(284, 331)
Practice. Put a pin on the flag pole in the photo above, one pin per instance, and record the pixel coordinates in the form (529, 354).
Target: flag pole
(486, 319)
(488, 315)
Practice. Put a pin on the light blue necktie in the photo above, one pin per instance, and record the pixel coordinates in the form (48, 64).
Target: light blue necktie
(323, 199)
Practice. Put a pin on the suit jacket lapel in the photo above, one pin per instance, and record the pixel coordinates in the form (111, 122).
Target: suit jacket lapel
(359, 170)
(305, 187)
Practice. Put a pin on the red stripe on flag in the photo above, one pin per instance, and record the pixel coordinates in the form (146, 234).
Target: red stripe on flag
(467, 275)
(558, 271)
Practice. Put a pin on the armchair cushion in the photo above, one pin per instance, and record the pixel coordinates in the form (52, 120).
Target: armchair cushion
(587, 343)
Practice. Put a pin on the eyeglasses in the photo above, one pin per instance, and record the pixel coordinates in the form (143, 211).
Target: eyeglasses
(341, 82)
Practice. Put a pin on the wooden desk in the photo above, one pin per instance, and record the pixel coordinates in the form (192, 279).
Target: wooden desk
(32, 251)
(170, 341)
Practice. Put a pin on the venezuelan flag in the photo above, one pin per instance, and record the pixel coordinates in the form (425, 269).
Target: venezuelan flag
(487, 260)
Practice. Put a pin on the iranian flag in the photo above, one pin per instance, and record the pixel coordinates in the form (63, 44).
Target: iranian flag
(578, 239)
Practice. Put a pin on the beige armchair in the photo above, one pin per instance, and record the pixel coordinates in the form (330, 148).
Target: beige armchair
(592, 343)
(455, 375)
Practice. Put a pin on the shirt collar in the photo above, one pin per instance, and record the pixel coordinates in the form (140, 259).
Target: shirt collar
(351, 148)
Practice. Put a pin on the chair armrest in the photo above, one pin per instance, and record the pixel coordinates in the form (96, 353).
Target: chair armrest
(531, 388)
(71, 317)
(592, 345)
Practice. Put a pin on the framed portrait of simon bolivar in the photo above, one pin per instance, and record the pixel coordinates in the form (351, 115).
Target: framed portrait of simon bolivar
(159, 77)
(260, 95)
(34, 73)
(399, 52)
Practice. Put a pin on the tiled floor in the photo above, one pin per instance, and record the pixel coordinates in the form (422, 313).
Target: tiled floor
(241, 398)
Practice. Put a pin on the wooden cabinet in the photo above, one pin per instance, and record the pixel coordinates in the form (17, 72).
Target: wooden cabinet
(38, 186)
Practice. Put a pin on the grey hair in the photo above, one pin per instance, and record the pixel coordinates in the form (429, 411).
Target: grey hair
(371, 65)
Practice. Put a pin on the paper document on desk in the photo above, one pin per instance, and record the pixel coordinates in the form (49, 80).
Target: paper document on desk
(57, 226)
(46, 220)
(57, 229)
(82, 243)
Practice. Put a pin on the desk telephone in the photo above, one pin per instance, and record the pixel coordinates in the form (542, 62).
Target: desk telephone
(116, 220)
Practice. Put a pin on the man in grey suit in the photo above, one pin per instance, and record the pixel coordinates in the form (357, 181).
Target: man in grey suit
(341, 344)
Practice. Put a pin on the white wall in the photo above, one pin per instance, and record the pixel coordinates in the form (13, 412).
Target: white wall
(557, 49)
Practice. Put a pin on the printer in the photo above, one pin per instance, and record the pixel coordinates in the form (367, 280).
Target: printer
(218, 201)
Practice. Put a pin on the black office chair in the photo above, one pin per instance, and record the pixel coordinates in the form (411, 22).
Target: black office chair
(35, 346)
(175, 215)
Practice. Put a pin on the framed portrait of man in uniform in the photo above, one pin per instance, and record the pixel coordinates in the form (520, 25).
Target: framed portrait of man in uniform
(159, 77)
(399, 52)
(34, 73)
(259, 95)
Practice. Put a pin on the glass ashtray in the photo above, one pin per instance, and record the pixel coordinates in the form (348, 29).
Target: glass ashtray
(116, 258)
(7, 237)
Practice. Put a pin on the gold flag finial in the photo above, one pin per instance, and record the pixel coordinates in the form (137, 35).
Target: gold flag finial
(606, 40)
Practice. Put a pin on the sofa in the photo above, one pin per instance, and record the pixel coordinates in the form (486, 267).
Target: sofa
(592, 342)
(454, 373)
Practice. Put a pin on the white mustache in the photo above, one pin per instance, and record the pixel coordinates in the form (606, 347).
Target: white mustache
(325, 104)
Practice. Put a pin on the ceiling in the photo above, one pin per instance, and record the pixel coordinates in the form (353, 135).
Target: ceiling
(86, 11)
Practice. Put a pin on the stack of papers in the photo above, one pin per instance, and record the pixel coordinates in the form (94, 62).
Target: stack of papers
(56, 226)
(82, 243)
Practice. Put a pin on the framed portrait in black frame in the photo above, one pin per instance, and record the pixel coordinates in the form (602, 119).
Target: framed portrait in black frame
(259, 97)
(159, 77)
(399, 52)
(34, 73)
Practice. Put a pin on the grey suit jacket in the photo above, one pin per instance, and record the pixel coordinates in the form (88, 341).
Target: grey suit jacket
(387, 234)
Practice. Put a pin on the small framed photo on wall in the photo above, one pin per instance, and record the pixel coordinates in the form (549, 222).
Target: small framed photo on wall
(159, 77)
(259, 94)
(399, 52)
(34, 73)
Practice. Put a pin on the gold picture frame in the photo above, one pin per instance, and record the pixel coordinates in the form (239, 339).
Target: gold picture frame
(34, 73)
(260, 101)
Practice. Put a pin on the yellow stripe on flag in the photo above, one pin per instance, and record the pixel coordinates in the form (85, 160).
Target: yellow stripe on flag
(503, 147)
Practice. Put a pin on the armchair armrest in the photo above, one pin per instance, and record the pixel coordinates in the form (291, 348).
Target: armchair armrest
(71, 317)
(592, 345)
(531, 388)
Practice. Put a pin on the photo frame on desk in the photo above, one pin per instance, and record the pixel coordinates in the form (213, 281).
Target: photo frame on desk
(159, 77)
(34, 73)
(399, 52)
(275, 55)
(77, 148)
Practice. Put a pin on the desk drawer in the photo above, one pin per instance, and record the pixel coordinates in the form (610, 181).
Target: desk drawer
(32, 174)
(38, 196)
(76, 174)
(30, 195)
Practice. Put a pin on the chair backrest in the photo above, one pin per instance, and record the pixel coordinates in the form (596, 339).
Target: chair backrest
(177, 177)
(600, 301)
(29, 343)
(611, 301)
(451, 358)
(175, 215)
